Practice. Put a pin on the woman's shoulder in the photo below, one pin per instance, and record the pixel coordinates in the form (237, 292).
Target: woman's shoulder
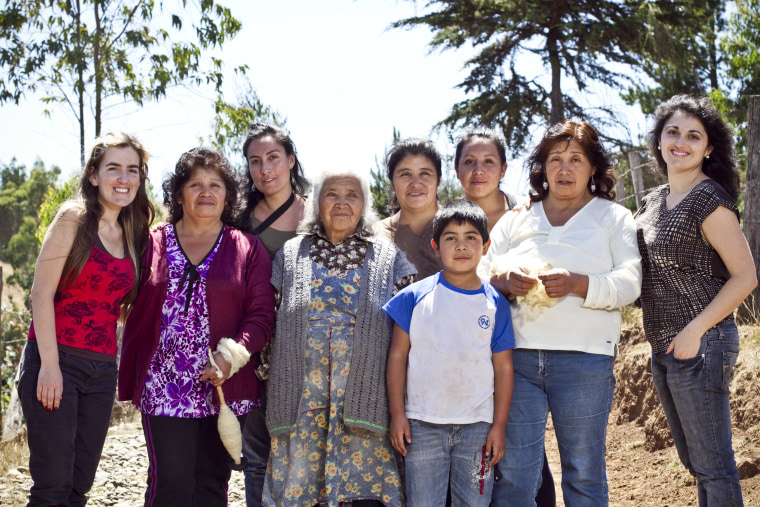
(386, 228)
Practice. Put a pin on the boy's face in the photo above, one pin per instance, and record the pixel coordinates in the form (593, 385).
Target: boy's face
(461, 247)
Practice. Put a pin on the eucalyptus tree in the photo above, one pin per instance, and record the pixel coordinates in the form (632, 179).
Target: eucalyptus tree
(83, 52)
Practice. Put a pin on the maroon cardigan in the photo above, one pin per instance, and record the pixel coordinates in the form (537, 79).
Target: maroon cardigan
(240, 305)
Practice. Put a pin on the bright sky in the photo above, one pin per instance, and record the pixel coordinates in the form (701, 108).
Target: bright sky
(333, 68)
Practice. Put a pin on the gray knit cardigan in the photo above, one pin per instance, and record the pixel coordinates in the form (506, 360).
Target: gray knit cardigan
(366, 399)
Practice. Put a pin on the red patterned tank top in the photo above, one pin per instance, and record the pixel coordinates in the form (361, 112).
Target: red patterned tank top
(87, 310)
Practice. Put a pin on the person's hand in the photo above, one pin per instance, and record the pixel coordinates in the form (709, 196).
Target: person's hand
(558, 282)
(686, 344)
(209, 372)
(496, 442)
(400, 433)
(50, 386)
(519, 282)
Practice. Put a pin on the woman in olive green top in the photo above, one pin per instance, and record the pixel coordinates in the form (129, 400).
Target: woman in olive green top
(274, 200)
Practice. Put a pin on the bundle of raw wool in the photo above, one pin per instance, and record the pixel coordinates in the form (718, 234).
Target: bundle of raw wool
(532, 304)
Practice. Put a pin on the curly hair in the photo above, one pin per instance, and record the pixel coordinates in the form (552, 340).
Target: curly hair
(721, 166)
(585, 135)
(201, 158)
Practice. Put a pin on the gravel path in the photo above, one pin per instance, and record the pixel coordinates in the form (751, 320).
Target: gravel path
(120, 481)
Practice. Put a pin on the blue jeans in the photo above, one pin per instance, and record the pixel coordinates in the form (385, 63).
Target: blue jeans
(256, 445)
(440, 451)
(65, 444)
(694, 395)
(577, 388)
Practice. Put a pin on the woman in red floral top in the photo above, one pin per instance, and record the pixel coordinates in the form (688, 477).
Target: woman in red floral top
(85, 276)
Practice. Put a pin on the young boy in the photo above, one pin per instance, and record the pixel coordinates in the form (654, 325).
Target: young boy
(450, 369)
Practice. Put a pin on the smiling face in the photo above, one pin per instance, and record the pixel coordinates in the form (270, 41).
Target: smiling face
(203, 195)
(684, 143)
(341, 202)
(460, 248)
(568, 171)
(270, 166)
(117, 177)
(480, 168)
(415, 183)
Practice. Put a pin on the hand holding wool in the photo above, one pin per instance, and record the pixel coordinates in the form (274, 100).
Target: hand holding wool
(534, 300)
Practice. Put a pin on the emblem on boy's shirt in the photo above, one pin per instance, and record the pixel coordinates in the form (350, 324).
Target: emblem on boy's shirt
(484, 321)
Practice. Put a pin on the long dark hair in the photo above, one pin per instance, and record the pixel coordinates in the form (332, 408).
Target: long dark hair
(584, 134)
(721, 166)
(135, 219)
(252, 195)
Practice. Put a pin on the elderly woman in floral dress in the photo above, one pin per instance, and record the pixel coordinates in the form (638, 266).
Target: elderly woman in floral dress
(328, 405)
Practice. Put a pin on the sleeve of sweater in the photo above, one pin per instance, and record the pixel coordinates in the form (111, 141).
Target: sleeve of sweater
(622, 284)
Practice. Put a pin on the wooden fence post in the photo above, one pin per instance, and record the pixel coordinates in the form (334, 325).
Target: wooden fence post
(750, 311)
(634, 161)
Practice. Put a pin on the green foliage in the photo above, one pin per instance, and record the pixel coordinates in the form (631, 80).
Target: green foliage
(380, 185)
(681, 53)
(82, 53)
(20, 196)
(56, 196)
(581, 43)
(14, 327)
(21, 253)
(741, 47)
(231, 122)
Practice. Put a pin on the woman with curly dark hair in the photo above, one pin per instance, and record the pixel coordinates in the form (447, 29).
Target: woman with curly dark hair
(579, 248)
(698, 268)
(207, 289)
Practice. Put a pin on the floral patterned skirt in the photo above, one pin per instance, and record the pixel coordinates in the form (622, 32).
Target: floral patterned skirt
(322, 461)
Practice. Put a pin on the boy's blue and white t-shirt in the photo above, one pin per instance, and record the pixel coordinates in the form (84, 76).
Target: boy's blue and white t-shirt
(453, 332)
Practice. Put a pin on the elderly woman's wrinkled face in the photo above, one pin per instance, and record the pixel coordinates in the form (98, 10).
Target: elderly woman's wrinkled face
(568, 171)
(203, 195)
(341, 203)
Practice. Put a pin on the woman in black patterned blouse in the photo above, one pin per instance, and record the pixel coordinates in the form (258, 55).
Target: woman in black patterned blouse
(698, 269)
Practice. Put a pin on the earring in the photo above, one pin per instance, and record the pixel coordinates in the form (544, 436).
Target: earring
(707, 156)
(593, 185)
(659, 147)
(545, 185)
(253, 187)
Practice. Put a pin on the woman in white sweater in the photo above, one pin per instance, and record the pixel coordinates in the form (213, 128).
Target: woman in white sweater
(580, 248)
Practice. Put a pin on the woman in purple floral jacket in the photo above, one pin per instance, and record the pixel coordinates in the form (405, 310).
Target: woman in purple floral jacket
(208, 287)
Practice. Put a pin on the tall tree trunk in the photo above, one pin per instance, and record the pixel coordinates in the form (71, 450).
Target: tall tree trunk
(97, 69)
(713, 52)
(750, 310)
(80, 81)
(557, 112)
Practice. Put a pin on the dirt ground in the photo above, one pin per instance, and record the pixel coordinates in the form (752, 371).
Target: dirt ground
(642, 464)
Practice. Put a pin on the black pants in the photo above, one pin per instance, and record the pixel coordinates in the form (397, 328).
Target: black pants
(189, 465)
(65, 444)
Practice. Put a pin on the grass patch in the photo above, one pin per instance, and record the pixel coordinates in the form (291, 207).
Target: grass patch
(13, 454)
